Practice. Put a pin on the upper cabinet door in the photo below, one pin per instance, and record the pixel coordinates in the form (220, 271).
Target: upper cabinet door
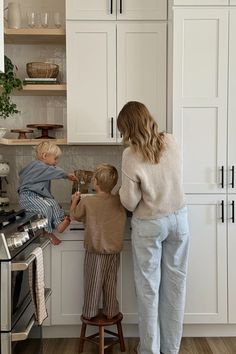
(232, 2)
(91, 81)
(232, 104)
(202, 2)
(200, 52)
(1, 38)
(142, 77)
(116, 9)
(141, 10)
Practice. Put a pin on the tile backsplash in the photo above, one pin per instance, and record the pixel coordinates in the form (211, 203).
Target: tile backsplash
(73, 157)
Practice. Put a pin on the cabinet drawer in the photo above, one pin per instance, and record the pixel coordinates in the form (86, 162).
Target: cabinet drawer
(201, 2)
(116, 9)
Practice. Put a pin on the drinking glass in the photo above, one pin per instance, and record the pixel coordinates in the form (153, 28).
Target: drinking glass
(57, 19)
(44, 19)
(32, 18)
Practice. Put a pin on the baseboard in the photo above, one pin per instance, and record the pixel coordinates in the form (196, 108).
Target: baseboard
(131, 331)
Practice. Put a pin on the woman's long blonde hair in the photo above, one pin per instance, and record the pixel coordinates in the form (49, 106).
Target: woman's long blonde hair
(140, 130)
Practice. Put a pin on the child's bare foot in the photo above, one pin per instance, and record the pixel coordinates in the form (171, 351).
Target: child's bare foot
(63, 224)
(53, 239)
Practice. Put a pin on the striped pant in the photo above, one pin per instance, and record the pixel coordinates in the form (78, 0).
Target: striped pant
(100, 280)
(47, 207)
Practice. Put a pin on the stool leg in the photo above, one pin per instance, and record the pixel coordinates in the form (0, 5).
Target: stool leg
(101, 340)
(121, 338)
(82, 336)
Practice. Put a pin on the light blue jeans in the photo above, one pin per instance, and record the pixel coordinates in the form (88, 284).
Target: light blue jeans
(160, 253)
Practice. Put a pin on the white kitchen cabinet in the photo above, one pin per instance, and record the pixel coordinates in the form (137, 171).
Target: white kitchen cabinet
(91, 82)
(67, 283)
(107, 65)
(116, 9)
(206, 298)
(142, 77)
(231, 167)
(232, 102)
(67, 280)
(231, 258)
(125, 287)
(200, 96)
(1, 38)
(204, 109)
(201, 2)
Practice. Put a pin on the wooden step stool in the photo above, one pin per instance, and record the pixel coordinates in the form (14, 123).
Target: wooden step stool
(98, 338)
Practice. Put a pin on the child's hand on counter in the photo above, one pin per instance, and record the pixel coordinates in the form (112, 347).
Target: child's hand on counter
(72, 177)
(75, 198)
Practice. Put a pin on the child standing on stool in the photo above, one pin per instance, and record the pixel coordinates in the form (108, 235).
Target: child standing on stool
(104, 218)
(35, 188)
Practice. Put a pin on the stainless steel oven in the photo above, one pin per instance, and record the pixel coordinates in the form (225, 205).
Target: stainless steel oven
(19, 236)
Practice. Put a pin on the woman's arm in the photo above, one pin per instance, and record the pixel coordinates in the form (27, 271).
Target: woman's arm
(130, 193)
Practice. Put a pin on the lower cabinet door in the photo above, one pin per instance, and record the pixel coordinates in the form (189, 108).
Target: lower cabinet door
(125, 288)
(67, 283)
(232, 258)
(206, 300)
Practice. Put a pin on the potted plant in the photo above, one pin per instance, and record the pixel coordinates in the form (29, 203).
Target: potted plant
(8, 82)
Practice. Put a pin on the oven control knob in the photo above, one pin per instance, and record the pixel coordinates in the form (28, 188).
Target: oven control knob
(39, 224)
(18, 239)
(23, 236)
(14, 242)
(42, 223)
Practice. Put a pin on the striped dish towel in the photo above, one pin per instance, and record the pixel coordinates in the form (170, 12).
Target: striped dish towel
(37, 286)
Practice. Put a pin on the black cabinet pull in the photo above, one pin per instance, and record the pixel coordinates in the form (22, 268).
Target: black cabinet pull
(112, 132)
(232, 211)
(120, 6)
(222, 212)
(222, 177)
(111, 7)
(232, 176)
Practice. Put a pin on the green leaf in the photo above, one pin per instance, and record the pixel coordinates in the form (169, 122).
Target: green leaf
(8, 81)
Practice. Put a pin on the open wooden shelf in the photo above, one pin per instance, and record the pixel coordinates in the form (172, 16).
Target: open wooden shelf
(42, 90)
(35, 35)
(5, 141)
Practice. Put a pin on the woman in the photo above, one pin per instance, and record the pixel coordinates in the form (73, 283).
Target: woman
(152, 190)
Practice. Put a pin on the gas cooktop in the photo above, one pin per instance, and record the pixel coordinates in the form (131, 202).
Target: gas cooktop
(8, 216)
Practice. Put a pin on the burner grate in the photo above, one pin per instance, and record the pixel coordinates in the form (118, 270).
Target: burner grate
(9, 216)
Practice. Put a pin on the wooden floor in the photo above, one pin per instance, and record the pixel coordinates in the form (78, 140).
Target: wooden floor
(188, 346)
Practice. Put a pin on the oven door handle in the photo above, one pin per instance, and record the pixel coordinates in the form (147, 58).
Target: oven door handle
(17, 266)
(18, 336)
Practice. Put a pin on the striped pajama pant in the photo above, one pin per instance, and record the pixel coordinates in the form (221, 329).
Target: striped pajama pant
(47, 207)
(100, 280)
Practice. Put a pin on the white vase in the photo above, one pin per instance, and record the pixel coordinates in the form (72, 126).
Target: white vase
(14, 15)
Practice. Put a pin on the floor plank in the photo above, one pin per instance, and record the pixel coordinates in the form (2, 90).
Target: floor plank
(216, 345)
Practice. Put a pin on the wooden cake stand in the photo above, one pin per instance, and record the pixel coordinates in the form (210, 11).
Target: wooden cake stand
(45, 128)
(22, 132)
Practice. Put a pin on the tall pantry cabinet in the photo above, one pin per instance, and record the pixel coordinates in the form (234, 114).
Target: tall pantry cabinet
(1, 38)
(204, 109)
(116, 52)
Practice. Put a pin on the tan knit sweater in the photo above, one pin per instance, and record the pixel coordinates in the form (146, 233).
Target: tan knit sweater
(152, 190)
(104, 218)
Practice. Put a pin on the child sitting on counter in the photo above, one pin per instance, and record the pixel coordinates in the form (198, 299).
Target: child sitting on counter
(104, 218)
(35, 188)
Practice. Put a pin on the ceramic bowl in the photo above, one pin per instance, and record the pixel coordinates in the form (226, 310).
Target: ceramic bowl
(2, 132)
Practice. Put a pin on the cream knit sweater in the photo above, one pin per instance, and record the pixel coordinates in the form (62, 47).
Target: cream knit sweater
(152, 190)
